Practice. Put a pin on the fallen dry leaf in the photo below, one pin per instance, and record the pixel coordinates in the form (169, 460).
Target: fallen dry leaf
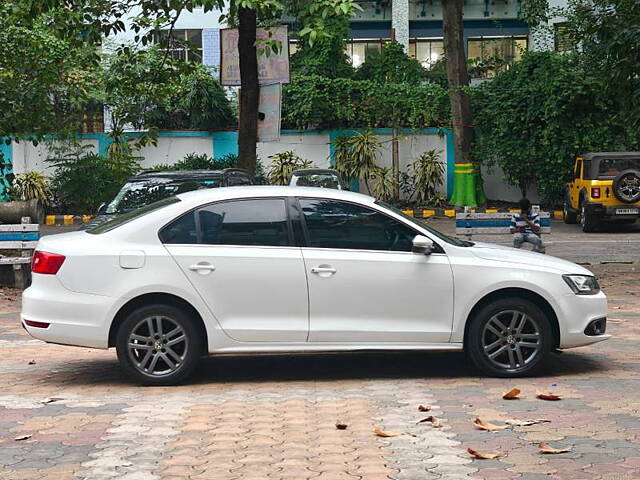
(525, 423)
(341, 426)
(433, 420)
(424, 408)
(490, 427)
(511, 394)
(548, 396)
(544, 448)
(482, 456)
(51, 400)
(32, 362)
(23, 437)
(381, 433)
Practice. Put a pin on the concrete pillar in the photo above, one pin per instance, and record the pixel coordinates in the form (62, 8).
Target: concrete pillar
(400, 22)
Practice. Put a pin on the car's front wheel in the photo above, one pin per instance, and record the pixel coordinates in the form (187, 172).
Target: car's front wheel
(509, 337)
(158, 345)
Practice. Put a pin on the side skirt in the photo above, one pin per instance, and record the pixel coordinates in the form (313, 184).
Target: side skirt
(334, 347)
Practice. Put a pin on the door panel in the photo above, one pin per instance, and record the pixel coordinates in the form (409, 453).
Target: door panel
(379, 296)
(256, 294)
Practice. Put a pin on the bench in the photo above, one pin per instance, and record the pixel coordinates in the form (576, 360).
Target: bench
(20, 241)
(471, 223)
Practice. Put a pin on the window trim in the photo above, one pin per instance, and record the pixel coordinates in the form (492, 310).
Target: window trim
(437, 248)
(192, 211)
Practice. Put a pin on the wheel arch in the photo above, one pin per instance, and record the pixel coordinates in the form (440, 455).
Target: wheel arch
(149, 299)
(516, 292)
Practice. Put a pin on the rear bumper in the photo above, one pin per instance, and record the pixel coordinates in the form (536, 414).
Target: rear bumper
(74, 318)
(611, 211)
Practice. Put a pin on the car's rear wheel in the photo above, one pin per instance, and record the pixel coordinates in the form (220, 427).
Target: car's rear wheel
(588, 221)
(158, 345)
(568, 215)
(509, 338)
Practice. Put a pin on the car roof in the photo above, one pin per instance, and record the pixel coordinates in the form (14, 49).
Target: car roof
(314, 171)
(183, 174)
(253, 191)
(597, 155)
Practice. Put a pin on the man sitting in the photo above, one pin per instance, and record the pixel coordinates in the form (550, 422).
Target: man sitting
(525, 227)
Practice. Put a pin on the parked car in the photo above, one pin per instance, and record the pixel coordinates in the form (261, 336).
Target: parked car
(317, 177)
(149, 187)
(605, 187)
(287, 269)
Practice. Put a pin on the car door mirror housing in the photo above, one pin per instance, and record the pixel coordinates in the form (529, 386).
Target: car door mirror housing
(422, 245)
(101, 208)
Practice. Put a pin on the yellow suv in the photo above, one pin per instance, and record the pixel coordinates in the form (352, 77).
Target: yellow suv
(605, 187)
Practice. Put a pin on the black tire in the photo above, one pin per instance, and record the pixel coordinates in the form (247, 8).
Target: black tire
(626, 186)
(479, 334)
(587, 221)
(165, 341)
(569, 216)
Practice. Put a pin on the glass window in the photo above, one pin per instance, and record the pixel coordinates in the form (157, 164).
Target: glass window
(244, 222)
(494, 54)
(181, 230)
(127, 217)
(184, 44)
(335, 224)
(237, 178)
(427, 52)
(576, 172)
(358, 51)
(612, 167)
(561, 39)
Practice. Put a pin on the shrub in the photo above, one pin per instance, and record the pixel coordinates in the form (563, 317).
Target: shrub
(426, 174)
(393, 65)
(31, 185)
(282, 166)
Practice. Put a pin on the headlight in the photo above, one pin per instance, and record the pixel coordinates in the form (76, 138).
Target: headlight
(582, 284)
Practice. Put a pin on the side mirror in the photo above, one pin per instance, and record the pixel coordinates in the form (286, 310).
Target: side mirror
(422, 245)
(101, 208)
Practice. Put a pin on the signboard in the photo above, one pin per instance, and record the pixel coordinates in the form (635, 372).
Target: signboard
(271, 69)
(269, 105)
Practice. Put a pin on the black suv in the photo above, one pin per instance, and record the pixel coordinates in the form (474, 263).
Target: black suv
(149, 187)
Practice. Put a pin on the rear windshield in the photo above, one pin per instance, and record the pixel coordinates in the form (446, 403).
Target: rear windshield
(611, 167)
(127, 217)
(144, 192)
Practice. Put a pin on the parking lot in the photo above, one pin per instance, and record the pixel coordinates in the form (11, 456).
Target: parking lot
(68, 413)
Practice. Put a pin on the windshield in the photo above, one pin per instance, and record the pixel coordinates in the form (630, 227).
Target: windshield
(611, 167)
(440, 235)
(322, 180)
(139, 193)
(126, 217)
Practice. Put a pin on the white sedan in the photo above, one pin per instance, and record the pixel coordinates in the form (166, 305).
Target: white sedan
(288, 269)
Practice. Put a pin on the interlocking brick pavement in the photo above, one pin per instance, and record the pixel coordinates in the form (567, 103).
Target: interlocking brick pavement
(273, 417)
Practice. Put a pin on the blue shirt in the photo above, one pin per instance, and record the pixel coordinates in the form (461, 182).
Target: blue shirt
(518, 220)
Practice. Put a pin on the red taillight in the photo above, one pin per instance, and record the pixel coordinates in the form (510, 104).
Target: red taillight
(35, 324)
(595, 192)
(46, 263)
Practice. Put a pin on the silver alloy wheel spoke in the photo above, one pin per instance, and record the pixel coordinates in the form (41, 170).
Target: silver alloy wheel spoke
(153, 352)
(514, 346)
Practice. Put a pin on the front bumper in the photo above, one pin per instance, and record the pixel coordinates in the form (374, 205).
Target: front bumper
(73, 318)
(576, 313)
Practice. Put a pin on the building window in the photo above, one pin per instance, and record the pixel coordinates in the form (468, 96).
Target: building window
(561, 40)
(427, 51)
(494, 54)
(359, 50)
(184, 44)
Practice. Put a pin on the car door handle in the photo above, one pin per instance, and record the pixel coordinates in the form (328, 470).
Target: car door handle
(324, 269)
(202, 267)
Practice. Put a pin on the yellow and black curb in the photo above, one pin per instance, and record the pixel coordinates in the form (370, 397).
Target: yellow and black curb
(451, 213)
(67, 219)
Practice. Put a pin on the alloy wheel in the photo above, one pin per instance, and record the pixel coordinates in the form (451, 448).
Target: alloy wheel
(511, 339)
(157, 346)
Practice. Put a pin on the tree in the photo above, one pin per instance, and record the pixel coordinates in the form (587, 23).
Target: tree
(535, 118)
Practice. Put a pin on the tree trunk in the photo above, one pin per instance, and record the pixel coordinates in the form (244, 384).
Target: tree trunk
(395, 165)
(464, 191)
(249, 90)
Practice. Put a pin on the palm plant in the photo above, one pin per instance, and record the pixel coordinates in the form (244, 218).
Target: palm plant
(355, 157)
(282, 166)
(384, 184)
(427, 173)
(32, 185)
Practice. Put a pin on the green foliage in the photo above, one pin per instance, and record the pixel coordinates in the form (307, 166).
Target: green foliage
(533, 120)
(31, 185)
(282, 166)
(355, 157)
(426, 174)
(318, 102)
(327, 56)
(383, 186)
(393, 65)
